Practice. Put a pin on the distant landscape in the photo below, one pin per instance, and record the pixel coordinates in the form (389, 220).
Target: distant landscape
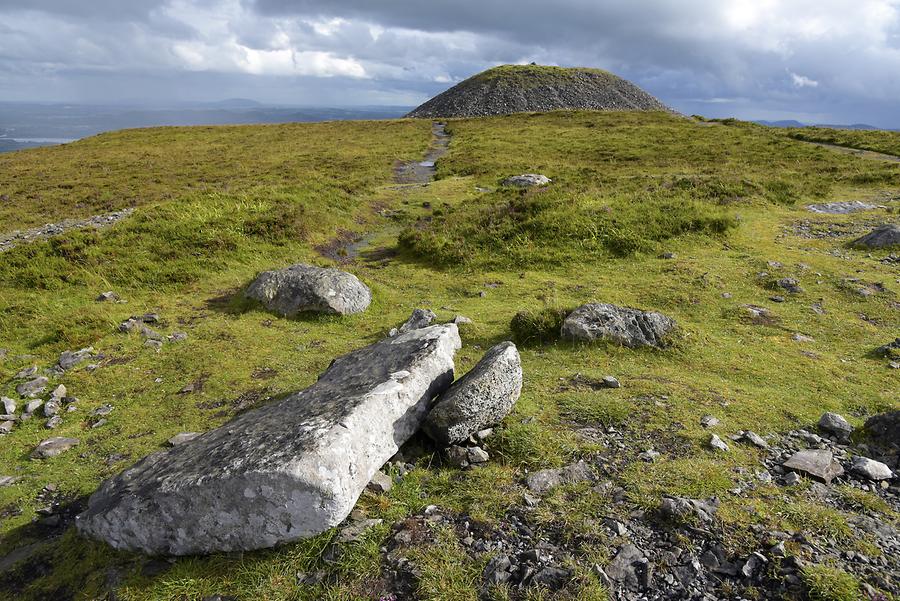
(28, 125)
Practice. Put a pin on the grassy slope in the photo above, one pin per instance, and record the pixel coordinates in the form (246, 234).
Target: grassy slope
(750, 376)
(887, 142)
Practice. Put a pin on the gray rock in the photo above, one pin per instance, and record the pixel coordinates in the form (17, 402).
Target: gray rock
(27, 373)
(840, 208)
(871, 469)
(6, 427)
(527, 180)
(717, 443)
(356, 530)
(610, 382)
(626, 567)
(649, 456)
(54, 422)
(32, 406)
(9, 405)
(818, 463)
(380, 482)
(461, 320)
(300, 288)
(8, 480)
(420, 318)
(883, 236)
(681, 509)
(708, 421)
(481, 398)
(835, 425)
(457, 456)
(59, 393)
(70, 359)
(52, 447)
(884, 429)
(284, 471)
(542, 481)
(477, 455)
(107, 297)
(102, 410)
(626, 326)
(33, 387)
(789, 284)
(51, 408)
(890, 349)
(182, 437)
(754, 439)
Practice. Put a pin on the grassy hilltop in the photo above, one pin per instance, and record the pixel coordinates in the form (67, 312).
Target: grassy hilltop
(215, 205)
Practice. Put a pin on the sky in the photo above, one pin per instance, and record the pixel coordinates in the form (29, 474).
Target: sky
(816, 61)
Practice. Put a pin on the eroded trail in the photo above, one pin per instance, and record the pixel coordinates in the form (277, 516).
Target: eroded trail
(14, 239)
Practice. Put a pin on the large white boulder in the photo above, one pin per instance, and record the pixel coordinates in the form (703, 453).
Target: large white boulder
(285, 471)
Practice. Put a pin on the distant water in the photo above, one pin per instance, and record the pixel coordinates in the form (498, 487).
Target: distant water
(27, 125)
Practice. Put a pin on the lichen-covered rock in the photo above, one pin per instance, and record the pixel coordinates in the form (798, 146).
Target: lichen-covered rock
(527, 180)
(300, 288)
(52, 447)
(835, 425)
(481, 398)
(623, 325)
(285, 471)
(542, 481)
(884, 236)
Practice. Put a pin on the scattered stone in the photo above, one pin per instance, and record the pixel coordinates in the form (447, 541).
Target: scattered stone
(99, 423)
(883, 236)
(798, 337)
(708, 421)
(284, 471)
(70, 359)
(789, 284)
(52, 447)
(527, 180)
(871, 469)
(32, 406)
(33, 387)
(542, 481)
(610, 382)
(54, 422)
(754, 439)
(627, 567)
(482, 397)
(380, 483)
(629, 327)
(8, 480)
(835, 425)
(177, 337)
(107, 297)
(477, 455)
(28, 372)
(717, 443)
(649, 456)
(102, 410)
(356, 530)
(6, 427)
(182, 437)
(59, 393)
(792, 479)
(461, 320)
(818, 463)
(154, 344)
(9, 405)
(300, 288)
(884, 429)
(840, 208)
(681, 509)
(420, 318)
(890, 349)
(51, 408)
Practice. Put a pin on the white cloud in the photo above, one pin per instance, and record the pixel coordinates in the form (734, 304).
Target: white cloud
(802, 81)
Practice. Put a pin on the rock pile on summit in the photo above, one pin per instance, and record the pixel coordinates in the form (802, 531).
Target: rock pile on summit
(534, 88)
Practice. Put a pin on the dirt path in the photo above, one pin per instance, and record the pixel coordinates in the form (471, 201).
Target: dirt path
(348, 247)
(867, 154)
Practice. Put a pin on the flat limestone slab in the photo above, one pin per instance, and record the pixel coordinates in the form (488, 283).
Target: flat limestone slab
(285, 471)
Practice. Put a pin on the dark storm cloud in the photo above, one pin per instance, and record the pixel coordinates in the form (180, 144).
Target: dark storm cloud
(805, 59)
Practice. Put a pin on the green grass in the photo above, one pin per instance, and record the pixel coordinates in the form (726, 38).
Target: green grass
(830, 584)
(217, 205)
(886, 142)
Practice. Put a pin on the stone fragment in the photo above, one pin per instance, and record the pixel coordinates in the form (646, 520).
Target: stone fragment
(627, 566)
(818, 463)
(481, 398)
(54, 422)
(52, 447)
(32, 406)
(629, 327)
(717, 443)
(70, 359)
(870, 469)
(835, 425)
(107, 297)
(6, 427)
(301, 288)
(380, 483)
(51, 408)
(527, 180)
(357, 529)
(284, 471)
(755, 439)
(420, 318)
(9, 405)
(33, 387)
(681, 509)
(610, 382)
(477, 455)
(708, 421)
(543, 481)
(182, 437)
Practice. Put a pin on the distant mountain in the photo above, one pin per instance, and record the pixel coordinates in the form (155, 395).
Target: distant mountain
(792, 123)
(535, 88)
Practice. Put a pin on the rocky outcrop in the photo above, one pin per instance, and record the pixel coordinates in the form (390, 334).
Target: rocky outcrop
(534, 88)
(884, 236)
(479, 399)
(622, 325)
(300, 288)
(284, 471)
